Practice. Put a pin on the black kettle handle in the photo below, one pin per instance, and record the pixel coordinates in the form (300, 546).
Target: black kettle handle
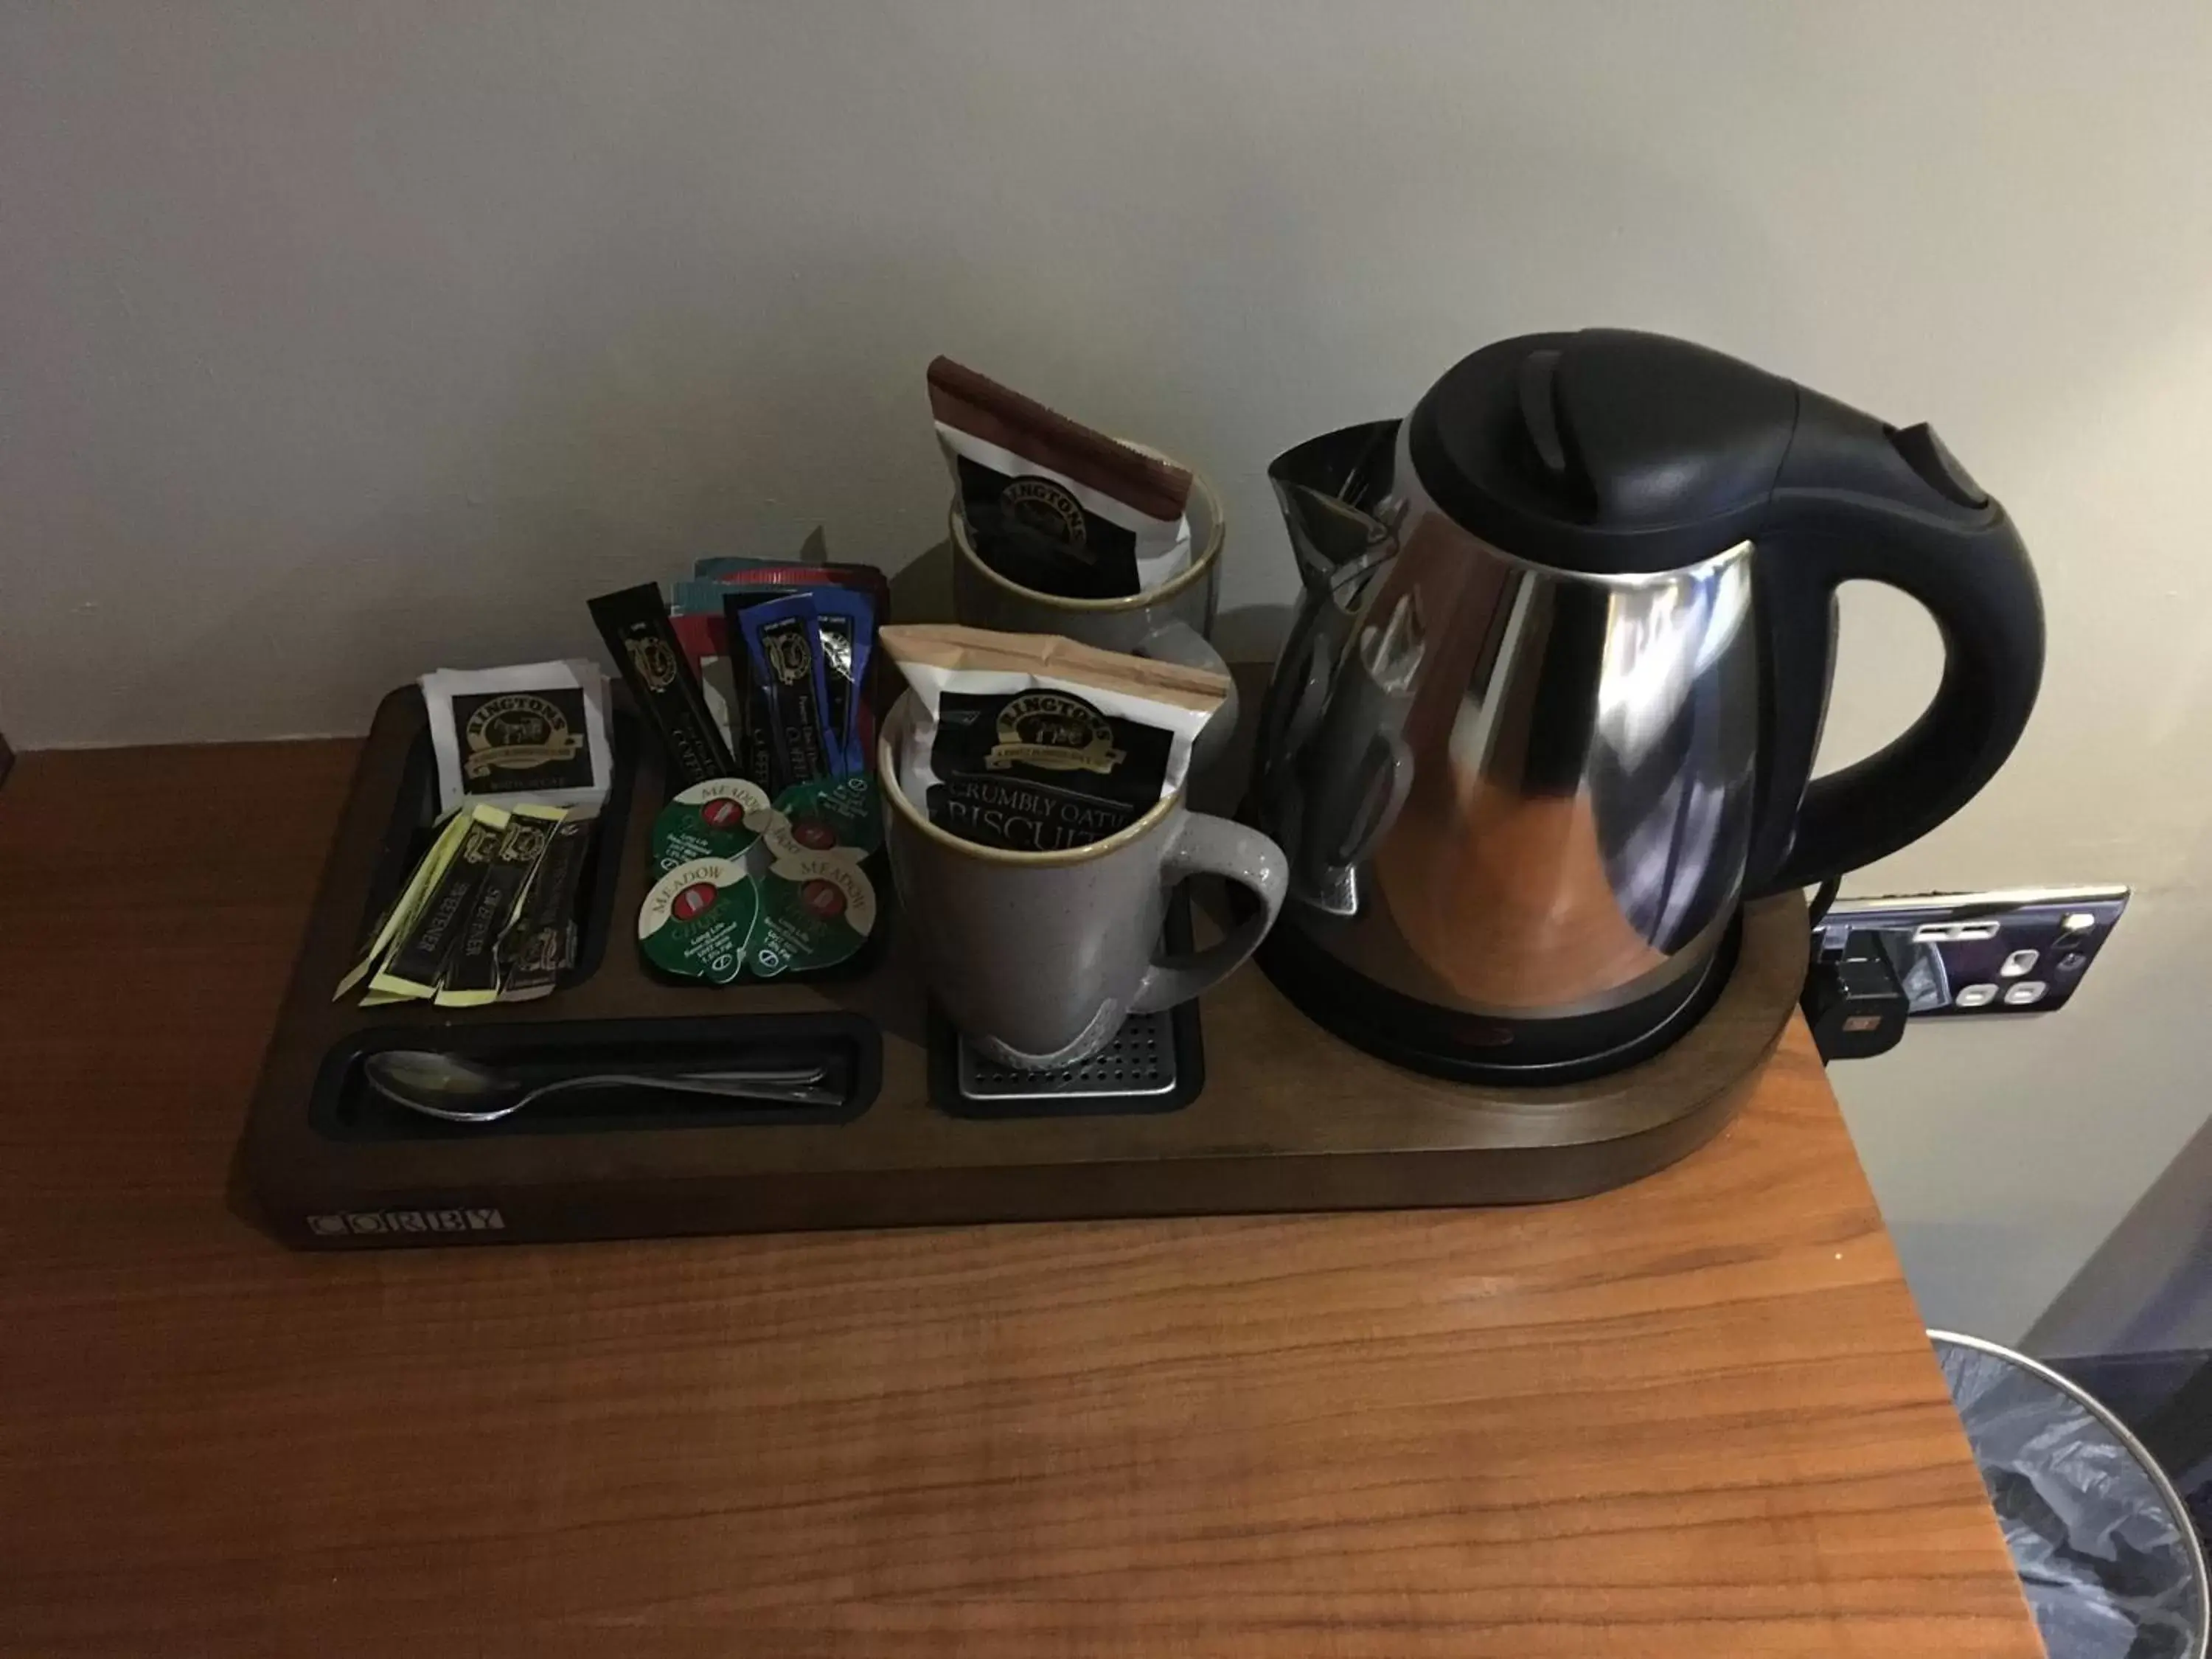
(1957, 553)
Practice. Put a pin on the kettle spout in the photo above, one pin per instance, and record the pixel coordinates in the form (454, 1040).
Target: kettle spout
(1331, 489)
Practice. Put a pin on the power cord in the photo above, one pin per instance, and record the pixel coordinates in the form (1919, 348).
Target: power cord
(1823, 897)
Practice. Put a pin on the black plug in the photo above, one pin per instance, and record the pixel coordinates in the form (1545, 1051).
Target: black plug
(1855, 1003)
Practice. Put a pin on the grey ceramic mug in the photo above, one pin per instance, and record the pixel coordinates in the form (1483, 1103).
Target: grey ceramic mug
(1039, 957)
(1168, 625)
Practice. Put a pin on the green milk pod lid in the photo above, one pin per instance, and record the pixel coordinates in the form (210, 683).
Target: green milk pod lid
(816, 910)
(823, 815)
(696, 920)
(707, 821)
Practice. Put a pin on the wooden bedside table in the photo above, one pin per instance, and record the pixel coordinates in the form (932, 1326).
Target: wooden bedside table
(1695, 1416)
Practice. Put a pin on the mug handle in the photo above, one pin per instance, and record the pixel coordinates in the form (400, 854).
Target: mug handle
(1180, 643)
(1206, 845)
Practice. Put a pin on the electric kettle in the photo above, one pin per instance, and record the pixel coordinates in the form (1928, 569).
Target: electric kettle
(1548, 711)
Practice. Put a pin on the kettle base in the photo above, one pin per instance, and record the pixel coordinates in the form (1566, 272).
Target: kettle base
(1476, 1048)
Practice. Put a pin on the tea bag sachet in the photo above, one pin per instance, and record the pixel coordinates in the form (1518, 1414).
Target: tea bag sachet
(533, 733)
(1034, 742)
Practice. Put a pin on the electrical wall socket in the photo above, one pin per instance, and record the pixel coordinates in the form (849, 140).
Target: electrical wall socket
(2024, 951)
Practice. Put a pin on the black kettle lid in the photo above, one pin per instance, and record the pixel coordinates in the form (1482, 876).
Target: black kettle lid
(1604, 450)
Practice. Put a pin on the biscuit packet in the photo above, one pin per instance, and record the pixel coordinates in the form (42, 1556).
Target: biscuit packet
(1034, 742)
(1053, 506)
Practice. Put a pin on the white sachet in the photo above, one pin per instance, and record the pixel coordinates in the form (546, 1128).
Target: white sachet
(531, 734)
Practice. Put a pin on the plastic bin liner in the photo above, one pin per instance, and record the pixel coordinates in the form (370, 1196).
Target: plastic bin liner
(2101, 1548)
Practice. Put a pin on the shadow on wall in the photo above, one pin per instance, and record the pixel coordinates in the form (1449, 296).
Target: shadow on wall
(637, 441)
(648, 426)
(2148, 1287)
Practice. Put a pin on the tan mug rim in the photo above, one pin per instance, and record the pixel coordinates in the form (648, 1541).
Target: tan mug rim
(1201, 560)
(887, 779)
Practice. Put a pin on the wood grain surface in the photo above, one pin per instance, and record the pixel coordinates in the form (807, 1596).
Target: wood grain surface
(1694, 1416)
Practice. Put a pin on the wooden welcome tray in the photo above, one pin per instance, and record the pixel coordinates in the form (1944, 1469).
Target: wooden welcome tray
(1290, 1118)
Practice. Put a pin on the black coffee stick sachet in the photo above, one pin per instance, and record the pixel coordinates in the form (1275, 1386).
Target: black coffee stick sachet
(757, 758)
(635, 624)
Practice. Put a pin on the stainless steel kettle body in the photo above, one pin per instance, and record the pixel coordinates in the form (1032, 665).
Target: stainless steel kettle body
(1508, 792)
(1548, 710)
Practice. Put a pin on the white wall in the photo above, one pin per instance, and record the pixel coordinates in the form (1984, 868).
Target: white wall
(340, 340)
